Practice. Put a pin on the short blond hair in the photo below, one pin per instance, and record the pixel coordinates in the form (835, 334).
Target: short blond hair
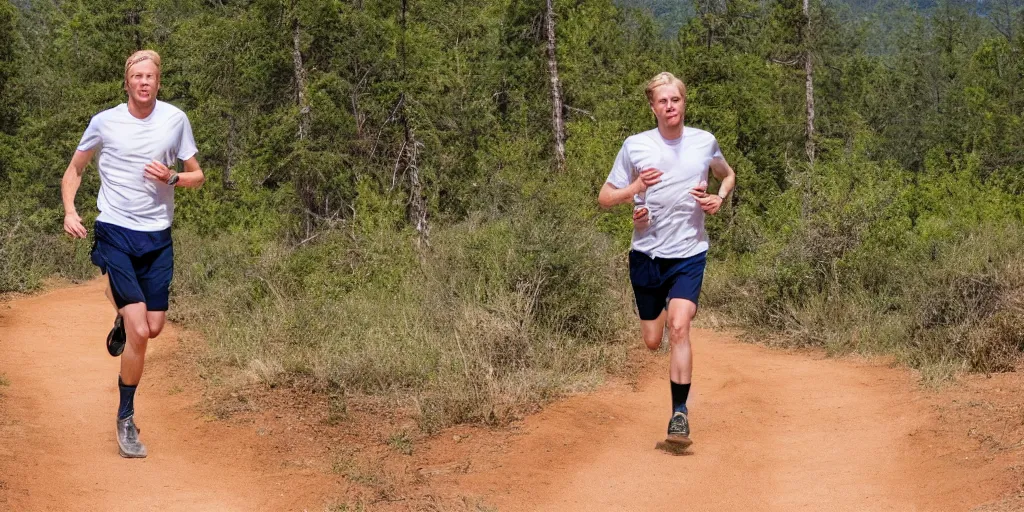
(664, 78)
(140, 56)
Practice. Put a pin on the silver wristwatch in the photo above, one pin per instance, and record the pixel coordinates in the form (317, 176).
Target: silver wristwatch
(173, 179)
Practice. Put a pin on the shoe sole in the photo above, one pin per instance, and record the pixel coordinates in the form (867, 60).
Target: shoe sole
(121, 452)
(674, 444)
(115, 347)
(129, 456)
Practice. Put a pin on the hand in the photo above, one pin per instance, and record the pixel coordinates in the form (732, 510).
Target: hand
(710, 203)
(158, 172)
(641, 218)
(647, 178)
(73, 226)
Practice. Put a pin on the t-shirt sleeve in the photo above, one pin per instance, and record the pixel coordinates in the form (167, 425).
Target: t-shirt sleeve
(620, 174)
(92, 136)
(187, 145)
(716, 152)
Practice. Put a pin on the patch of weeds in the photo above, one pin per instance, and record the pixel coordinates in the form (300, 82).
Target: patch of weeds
(380, 481)
(400, 442)
(175, 389)
(337, 408)
(357, 506)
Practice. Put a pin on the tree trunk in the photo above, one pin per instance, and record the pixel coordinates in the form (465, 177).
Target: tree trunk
(556, 90)
(418, 212)
(306, 193)
(409, 155)
(300, 77)
(809, 73)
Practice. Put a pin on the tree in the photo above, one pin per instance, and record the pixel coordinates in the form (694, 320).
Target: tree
(557, 125)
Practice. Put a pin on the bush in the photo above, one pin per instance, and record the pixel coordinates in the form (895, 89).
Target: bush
(858, 258)
(499, 314)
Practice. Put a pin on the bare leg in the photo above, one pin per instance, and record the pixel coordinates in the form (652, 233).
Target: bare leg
(136, 326)
(653, 331)
(156, 321)
(680, 314)
(110, 295)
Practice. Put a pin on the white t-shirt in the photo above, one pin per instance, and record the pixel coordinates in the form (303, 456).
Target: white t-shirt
(126, 144)
(678, 227)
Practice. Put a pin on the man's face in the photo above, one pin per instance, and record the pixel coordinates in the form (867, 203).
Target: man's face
(143, 82)
(668, 106)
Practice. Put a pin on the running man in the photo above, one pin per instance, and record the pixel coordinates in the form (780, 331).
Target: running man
(664, 173)
(139, 143)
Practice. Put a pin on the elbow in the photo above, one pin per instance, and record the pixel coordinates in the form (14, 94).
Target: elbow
(201, 179)
(604, 197)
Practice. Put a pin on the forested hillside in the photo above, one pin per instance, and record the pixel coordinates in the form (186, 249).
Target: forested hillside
(386, 210)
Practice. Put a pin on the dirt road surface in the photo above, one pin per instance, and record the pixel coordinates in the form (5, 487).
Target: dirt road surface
(773, 431)
(57, 444)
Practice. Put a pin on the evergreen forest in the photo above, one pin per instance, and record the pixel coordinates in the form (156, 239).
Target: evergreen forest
(401, 194)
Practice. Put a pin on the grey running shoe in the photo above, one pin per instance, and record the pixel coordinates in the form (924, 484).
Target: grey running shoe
(679, 428)
(128, 443)
(116, 338)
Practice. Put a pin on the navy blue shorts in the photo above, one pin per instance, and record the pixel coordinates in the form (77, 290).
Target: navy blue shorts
(658, 280)
(140, 264)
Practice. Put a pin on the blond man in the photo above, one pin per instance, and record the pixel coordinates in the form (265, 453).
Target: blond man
(664, 173)
(137, 145)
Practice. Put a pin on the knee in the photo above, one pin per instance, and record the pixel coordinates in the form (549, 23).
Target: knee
(155, 330)
(141, 332)
(653, 342)
(679, 331)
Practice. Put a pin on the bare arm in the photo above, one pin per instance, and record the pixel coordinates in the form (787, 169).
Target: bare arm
(69, 188)
(724, 173)
(191, 177)
(611, 196)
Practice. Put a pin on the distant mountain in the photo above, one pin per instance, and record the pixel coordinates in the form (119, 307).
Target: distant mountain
(672, 14)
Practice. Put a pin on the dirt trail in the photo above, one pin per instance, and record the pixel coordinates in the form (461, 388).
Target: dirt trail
(774, 431)
(57, 447)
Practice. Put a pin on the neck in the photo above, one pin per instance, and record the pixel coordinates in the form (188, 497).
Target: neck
(140, 110)
(671, 133)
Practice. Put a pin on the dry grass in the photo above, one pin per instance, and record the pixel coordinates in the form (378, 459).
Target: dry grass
(498, 317)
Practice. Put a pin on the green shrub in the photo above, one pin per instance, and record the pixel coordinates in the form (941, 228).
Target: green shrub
(498, 315)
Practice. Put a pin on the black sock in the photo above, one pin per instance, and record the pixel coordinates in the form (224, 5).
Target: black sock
(679, 394)
(127, 406)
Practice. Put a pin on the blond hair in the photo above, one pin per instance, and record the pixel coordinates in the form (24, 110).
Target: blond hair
(664, 78)
(140, 56)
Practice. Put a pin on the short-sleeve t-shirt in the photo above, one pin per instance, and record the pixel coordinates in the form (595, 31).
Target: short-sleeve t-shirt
(126, 144)
(678, 227)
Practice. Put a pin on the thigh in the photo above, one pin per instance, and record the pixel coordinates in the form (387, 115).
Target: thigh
(650, 302)
(645, 277)
(155, 271)
(681, 313)
(156, 321)
(120, 269)
(686, 279)
(653, 330)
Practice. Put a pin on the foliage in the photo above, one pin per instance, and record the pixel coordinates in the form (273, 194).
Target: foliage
(383, 211)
